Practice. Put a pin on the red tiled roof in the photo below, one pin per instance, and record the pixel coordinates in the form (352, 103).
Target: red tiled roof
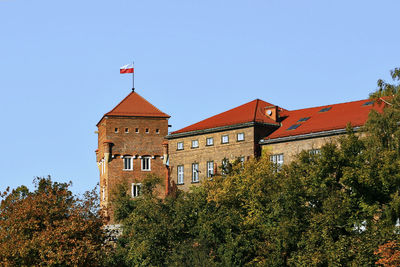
(135, 105)
(253, 111)
(336, 118)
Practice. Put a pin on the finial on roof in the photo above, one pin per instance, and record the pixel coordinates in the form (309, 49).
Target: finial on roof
(133, 89)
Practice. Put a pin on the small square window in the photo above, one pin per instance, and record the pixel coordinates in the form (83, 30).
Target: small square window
(136, 130)
(126, 130)
(210, 141)
(147, 130)
(240, 137)
(115, 130)
(157, 131)
(179, 146)
(195, 143)
(225, 139)
(136, 189)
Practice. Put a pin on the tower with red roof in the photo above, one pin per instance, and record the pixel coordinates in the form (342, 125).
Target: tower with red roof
(130, 146)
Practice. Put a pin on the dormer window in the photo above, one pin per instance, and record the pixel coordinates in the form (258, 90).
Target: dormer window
(303, 119)
(325, 109)
(126, 130)
(116, 130)
(147, 130)
(294, 126)
(369, 103)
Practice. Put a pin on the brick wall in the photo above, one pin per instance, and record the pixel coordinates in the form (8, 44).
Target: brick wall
(131, 143)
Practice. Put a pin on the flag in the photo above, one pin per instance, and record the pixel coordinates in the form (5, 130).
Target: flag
(126, 69)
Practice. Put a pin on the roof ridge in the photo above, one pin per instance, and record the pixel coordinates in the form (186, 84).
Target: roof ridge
(121, 102)
(150, 103)
(255, 110)
(329, 105)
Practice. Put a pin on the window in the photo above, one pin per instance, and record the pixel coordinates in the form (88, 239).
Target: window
(136, 189)
(195, 173)
(225, 139)
(315, 151)
(128, 166)
(225, 168)
(146, 164)
(157, 131)
(116, 130)
(103, 193)
(179, 146)
(180, 174)
(294, 126)
(303, 119)
(126, 130)
(210, 169)
(103, 167)
(210, 141)
(325, 109)
(240, 137)
(136, 130)
(195, 143)
(147, 130)
(277, 159)
(369, 103)
(241, 160)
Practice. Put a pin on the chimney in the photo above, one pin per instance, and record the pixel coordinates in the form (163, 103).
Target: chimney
(272, 112)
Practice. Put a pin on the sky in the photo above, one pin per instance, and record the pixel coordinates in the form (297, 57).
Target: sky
(60, 60)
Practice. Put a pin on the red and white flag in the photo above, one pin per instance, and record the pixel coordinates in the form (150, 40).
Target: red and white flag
(126, 69)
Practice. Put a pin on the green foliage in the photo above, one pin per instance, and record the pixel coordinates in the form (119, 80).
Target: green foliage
(335, 208)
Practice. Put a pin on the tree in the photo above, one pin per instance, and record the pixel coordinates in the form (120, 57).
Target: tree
(336, 208)
(50, 227)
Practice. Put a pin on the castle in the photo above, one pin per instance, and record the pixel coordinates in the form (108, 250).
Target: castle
(133, 140)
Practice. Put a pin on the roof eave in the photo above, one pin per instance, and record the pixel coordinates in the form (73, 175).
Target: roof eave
(218, 129)
(136, 116)
(306, 136)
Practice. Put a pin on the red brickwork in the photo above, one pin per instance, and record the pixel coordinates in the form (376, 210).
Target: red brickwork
(129, 136)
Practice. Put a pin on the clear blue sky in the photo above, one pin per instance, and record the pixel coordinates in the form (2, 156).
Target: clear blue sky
(59, 65)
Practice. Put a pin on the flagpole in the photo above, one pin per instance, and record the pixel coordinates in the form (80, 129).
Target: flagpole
(133, 76)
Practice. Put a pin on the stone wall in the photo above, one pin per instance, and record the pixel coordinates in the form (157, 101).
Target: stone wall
(291, 148)
(204, 153)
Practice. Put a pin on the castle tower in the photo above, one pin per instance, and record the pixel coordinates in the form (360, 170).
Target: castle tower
(130, 146)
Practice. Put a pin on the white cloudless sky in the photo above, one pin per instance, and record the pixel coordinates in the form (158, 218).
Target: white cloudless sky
(59, 67)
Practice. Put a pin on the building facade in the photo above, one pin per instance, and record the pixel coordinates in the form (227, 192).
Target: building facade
(130, 146)
(198, 151)
(133, 140)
